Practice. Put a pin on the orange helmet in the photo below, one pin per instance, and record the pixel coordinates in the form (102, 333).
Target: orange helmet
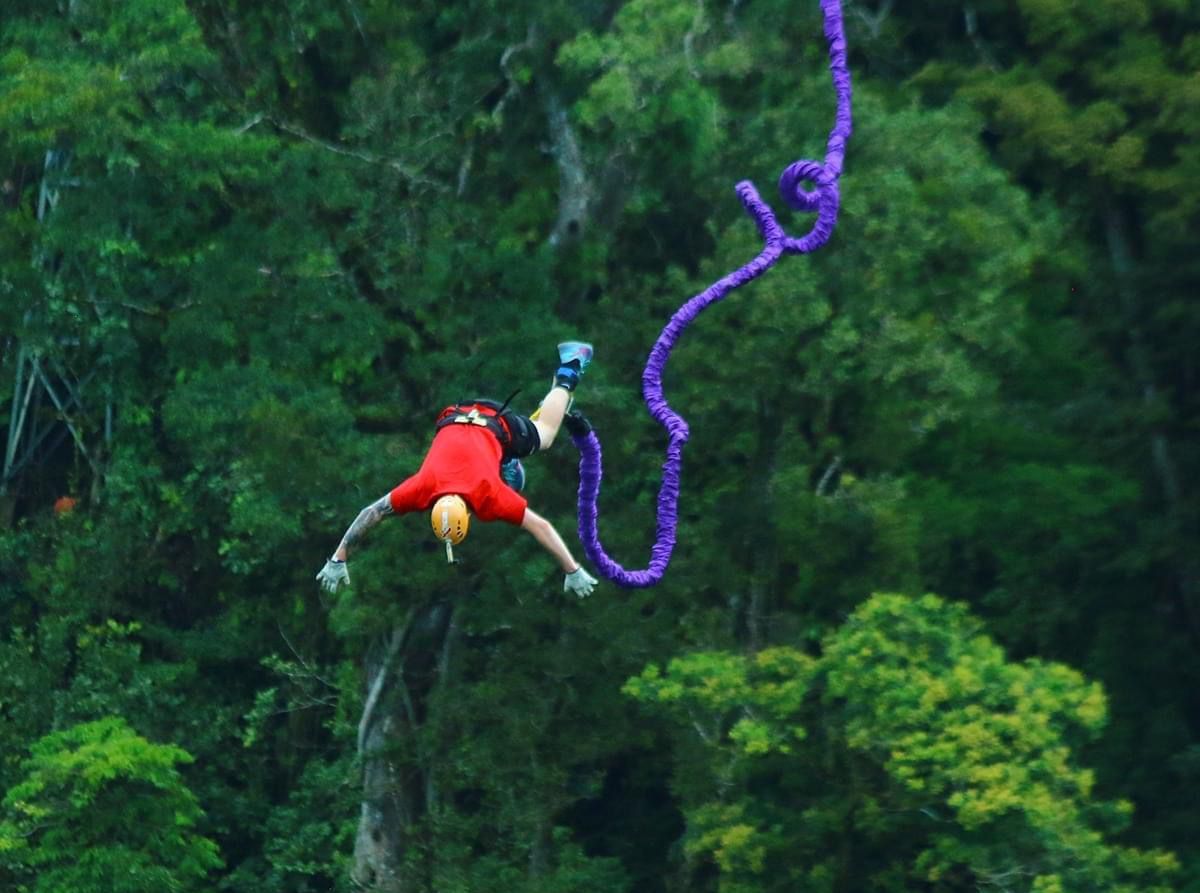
(450, 519)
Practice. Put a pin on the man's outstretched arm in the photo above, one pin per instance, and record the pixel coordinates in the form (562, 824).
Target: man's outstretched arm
(367, 518)
(335, 571)
(578, 580)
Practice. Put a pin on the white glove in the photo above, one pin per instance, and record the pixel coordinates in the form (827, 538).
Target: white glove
(579, 582)
(333, 574)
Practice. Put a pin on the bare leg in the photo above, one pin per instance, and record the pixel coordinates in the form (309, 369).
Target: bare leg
(550, 416)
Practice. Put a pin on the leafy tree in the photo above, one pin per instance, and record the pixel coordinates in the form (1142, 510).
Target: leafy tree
(910, 752)
(1093, 106)
(101, 808)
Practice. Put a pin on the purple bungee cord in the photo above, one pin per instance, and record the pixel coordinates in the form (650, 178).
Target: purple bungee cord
(824, 200)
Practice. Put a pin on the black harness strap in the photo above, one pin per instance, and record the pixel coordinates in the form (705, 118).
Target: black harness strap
(470, 414)
(507, 400)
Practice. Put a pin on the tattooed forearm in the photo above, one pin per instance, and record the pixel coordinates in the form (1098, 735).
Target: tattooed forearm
(367, 518)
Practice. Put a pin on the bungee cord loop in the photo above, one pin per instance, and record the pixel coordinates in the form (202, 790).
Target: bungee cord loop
(824, 199)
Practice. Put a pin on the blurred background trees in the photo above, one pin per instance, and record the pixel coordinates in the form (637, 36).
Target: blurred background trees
(247, 251)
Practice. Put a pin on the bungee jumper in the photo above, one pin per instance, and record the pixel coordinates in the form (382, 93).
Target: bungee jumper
(461, 475)
(474, 466)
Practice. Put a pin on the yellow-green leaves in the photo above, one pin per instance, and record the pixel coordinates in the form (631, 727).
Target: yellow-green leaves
(742, 703)
(932, 751)
(102, 808)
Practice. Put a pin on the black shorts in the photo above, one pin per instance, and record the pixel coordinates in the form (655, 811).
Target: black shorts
(525, 438)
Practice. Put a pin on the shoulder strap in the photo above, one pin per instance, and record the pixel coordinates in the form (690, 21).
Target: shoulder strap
(469, 414)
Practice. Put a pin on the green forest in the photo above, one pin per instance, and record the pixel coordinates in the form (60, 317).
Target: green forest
(932, 622)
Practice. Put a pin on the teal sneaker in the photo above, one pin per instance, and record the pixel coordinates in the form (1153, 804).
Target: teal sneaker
(575, 350)
(573, 358)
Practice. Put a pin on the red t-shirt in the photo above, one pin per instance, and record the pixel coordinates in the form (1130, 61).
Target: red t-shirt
(463, 459)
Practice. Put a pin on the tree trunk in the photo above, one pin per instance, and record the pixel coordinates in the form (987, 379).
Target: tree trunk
(379, 845)
(398, 790)
(764, 560)
(575, 192)
(1161, 458)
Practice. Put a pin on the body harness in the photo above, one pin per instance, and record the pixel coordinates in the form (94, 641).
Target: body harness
(476, 412)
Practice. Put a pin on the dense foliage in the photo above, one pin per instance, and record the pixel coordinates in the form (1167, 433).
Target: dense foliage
(247, 250)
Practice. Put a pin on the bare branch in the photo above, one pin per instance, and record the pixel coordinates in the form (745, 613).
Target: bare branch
(833, 469)
(16, 422)
(253, 122)
(62, 409)
(309, 671)
(971, 24)
(874, 21)
(154, 312)
(354, 14)
(380, 681)
(47, 196)
(464, 170)
(36, 436)
(400, 167)
(505, 58)
(689, 40)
